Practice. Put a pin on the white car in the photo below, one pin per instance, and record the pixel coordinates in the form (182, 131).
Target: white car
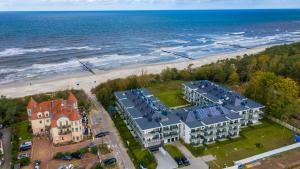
(23, 155)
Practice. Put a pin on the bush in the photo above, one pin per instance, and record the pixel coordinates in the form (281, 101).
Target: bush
(97, 166)
(58, 155)
(103, 148)
(83, 150)
(94, 150)
(25, 161)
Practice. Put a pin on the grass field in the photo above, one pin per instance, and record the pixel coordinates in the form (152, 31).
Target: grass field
(268, 135)
(170, 93)
(173, 150)
(23, 130)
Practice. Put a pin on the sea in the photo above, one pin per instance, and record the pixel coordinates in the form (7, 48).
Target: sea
(36, 45)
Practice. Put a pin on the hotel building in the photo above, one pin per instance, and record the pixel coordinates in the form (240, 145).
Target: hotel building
(58, 118)
(154, 124)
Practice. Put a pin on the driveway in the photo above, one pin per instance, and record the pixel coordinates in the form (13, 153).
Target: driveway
(196, 162)
(6, 147)
(164, 160)
(102, 118)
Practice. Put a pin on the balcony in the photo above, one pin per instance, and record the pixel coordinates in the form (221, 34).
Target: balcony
(64, 132)
(64, 126)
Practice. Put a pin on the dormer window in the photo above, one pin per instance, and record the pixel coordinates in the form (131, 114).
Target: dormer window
(39, 115)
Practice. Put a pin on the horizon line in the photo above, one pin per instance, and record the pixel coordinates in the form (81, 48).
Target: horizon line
(128, 10)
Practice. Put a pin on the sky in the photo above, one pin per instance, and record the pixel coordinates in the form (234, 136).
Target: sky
(63, 5)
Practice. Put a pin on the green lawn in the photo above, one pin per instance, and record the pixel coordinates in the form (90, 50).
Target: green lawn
(23, 130)
(268, 134)
(170, 93)
(173, 150)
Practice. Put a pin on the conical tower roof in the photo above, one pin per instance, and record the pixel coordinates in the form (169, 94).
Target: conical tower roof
(72, 98)
(32, 103)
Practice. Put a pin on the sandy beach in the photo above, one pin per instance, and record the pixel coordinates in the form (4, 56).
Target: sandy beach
(87, 81)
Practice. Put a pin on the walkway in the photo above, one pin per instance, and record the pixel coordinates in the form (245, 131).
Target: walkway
(164, 160)
(266, 154)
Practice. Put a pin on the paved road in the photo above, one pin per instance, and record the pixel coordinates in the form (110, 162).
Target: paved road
(7, 148)
(115, 141)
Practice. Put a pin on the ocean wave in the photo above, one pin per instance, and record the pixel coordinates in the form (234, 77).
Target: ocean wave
(237, 33)
(21, 51)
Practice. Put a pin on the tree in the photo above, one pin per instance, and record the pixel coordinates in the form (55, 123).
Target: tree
(277, 93)
(233, 75)
(169, 74)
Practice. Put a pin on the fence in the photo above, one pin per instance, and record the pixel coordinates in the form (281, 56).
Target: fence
(294, 129)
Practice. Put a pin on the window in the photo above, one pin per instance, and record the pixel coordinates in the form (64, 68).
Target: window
(47, 120)
(72, 129)
(76, 129)
(40, 121)
(77, 138)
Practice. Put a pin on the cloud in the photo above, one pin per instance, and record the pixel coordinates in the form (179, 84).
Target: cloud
(143, 4)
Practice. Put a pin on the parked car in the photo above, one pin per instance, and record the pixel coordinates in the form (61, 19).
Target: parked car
(76, 155)
(69, 166)
(109, 161)
(102, 134)
(23, 155)
(26, 146)
(66, 157)
(185, 161)
(37, 164)
(178, 161)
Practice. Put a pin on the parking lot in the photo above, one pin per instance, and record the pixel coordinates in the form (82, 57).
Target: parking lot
(43, 150)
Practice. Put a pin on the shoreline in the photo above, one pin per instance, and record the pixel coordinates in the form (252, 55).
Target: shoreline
(87, 81)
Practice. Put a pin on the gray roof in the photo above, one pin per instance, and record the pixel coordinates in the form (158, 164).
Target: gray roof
(194, 124)
(134, 113)
(193, 116)
(146, 109)
(120, 95)
(214, 119)
(227, 97)
(172, 119)
(190, 85)
(233, 116)
(146, 92)
(145, 124)
(126, 103)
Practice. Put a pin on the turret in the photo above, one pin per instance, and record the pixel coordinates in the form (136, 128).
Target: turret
(31, 105)
(73, 100)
